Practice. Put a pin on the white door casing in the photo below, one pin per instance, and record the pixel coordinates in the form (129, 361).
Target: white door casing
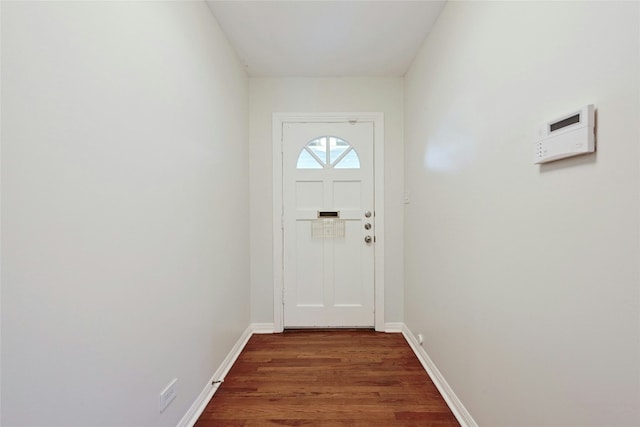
(332, 281)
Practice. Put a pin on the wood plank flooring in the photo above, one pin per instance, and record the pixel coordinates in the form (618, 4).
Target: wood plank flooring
(327, 378)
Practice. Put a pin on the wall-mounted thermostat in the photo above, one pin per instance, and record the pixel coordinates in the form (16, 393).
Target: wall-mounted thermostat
(570, 135)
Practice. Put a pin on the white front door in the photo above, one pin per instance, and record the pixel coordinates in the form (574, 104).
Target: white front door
(329, 223)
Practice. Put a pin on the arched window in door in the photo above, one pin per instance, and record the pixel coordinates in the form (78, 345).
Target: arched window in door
(328, 152)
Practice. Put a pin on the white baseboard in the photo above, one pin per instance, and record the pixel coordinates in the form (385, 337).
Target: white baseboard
(209, 390)
(462, 415)
(393, 327)
(262, 328)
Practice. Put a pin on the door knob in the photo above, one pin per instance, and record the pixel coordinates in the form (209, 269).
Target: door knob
(367, 226)
(368, 239)
(367, 214)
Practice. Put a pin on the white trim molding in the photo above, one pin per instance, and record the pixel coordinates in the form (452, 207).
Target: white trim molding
(278, 246)
(262, 328)
(212, 385)
(393, 327)
(459, 411)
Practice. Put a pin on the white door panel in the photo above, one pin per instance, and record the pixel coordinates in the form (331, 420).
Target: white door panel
(329, 272)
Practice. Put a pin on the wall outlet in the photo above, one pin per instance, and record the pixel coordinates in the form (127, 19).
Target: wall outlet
(168, 394)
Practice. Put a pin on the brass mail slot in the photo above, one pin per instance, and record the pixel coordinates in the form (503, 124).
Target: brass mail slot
(328, 214)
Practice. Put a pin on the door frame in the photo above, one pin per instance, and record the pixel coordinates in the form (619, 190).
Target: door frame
(279, 119)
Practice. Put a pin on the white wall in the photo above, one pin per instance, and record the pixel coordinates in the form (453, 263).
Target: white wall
(524, 279)
(124, 209)
(296, 95)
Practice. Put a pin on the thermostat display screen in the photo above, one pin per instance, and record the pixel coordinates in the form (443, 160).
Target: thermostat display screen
(564, 123)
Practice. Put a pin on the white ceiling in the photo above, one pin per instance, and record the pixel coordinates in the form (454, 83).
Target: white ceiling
(308, 38)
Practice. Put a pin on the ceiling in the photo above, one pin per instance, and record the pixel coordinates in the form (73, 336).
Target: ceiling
(309, 38)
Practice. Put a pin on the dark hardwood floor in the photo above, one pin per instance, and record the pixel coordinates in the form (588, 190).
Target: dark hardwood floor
(327, 378)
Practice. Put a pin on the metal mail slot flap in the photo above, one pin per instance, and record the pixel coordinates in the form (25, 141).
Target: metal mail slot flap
(328, 214)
